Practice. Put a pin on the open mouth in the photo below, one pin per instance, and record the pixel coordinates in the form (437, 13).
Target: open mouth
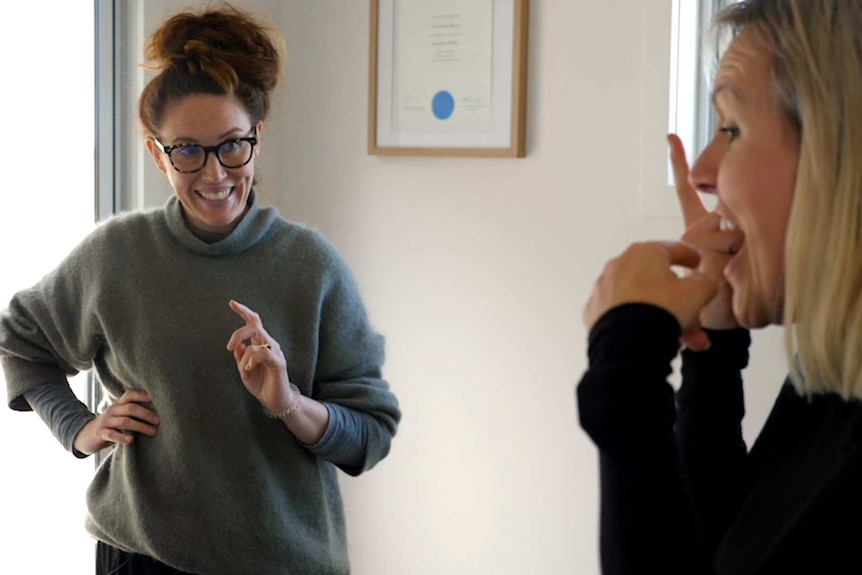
(215, 196)
(726, 225)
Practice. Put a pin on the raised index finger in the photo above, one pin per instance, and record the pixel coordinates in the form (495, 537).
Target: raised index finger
(252, 330)
(689, 201)
(243, 311)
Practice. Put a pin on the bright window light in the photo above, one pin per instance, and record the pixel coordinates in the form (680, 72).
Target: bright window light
(684, 73)
(48, 206)
(690, 113)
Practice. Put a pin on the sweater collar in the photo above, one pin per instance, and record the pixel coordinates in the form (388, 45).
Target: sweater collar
(251, 229)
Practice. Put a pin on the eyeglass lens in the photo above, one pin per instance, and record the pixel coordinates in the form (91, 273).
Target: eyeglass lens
(231, 154)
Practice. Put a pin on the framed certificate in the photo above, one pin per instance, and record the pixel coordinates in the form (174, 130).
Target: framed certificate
(448, 77)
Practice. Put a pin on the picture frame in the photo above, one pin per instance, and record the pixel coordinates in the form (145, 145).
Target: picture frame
(448, 78)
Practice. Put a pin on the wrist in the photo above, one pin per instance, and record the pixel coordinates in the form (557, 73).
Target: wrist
(292, 405)
(86, 441)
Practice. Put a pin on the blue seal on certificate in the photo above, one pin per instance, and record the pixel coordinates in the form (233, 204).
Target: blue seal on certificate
(442, 105)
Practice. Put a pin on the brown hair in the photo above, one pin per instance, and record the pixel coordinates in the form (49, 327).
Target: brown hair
(220, 50)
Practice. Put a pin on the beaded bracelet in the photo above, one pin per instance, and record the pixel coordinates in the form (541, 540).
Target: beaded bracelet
(289, 410)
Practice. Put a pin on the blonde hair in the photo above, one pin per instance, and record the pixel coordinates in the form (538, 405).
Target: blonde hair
(817, 73)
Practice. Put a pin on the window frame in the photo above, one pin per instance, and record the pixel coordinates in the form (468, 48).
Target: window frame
(118, 152)
(691, 114)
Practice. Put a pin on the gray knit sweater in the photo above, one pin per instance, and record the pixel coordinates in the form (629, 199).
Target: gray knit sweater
(221, 488)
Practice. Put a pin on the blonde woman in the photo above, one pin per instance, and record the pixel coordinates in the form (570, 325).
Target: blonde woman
(680, 491)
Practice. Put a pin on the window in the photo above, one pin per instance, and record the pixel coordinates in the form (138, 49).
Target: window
(677, 80)
(47, 209)
(690, 114)
(71, 107)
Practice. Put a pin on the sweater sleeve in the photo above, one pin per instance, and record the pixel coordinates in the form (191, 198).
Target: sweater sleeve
(710, 409)
(47, 333)
(343, 442)
(626, 405)
(62, 412)
(348, 374)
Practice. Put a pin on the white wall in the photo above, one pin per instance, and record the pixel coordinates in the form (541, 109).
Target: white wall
(476, 271)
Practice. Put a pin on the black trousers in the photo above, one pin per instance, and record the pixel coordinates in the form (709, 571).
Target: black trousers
(112, 561)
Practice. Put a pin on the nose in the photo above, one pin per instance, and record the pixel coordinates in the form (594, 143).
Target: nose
(703, 175)
(212, 172)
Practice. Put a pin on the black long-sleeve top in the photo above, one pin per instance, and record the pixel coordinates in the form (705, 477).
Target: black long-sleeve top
(680, 493)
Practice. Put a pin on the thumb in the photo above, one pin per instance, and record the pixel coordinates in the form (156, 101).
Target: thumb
(695, 339)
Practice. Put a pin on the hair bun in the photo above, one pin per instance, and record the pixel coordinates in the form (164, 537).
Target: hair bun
(224, 43)
(218, 50)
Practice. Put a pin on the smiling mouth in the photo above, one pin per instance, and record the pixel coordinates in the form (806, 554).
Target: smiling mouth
(215, 196)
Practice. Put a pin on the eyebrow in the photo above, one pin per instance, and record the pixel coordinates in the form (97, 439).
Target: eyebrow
(725, 87)
(230, 134)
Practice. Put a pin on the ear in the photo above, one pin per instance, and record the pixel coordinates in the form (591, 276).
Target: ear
(158, 156)
(259, 138)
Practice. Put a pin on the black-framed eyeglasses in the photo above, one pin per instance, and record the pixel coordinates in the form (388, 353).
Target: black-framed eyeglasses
(189, 158)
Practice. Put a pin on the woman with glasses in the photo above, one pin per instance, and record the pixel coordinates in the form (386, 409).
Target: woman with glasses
(239, 358)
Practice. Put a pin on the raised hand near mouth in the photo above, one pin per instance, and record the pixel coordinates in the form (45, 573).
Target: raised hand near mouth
(716, 242)
(644, 274)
